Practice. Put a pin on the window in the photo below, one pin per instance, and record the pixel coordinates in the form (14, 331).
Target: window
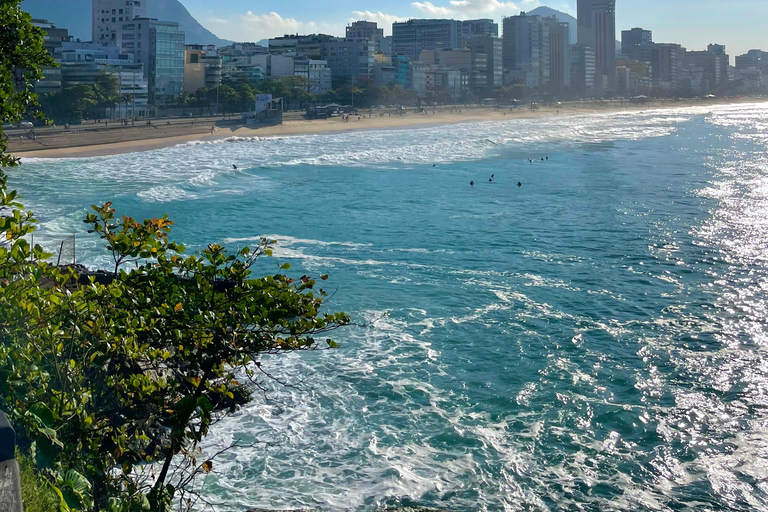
(120, 11)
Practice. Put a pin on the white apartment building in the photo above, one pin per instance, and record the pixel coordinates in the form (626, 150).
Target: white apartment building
(108, 15)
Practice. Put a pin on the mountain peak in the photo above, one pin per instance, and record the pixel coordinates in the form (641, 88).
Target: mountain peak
(75, 15)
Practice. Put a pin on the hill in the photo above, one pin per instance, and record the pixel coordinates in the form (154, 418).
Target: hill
(546, 12)
(76, 16)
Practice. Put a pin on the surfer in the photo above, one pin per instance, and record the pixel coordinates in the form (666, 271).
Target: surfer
(234, 166)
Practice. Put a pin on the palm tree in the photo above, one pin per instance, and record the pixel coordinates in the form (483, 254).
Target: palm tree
(126, 98)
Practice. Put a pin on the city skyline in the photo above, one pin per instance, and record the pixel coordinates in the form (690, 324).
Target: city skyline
(694, 24)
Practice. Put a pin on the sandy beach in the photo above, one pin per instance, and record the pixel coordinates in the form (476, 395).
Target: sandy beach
(80, 143)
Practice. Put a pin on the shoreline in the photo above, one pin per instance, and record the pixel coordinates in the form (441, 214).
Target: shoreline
(87, 145)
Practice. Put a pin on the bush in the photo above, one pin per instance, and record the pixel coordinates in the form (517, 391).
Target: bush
(36, 494)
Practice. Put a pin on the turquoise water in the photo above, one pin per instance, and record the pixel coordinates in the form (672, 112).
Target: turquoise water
(593, 340)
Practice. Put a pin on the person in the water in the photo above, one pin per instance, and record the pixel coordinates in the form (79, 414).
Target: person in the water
(472, 183)
(519, 184)
(234, 166)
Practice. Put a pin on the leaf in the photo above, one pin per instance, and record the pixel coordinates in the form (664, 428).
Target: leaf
(207, 466)
(178, 307)
(285, 266)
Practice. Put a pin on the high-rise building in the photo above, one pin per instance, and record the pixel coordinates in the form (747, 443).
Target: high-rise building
(348, 57)
(108, 15)
(159, 45)
(524, 48)
(712, 64)
(410, 38)
(487, 55)
(366, 30)
(597, 29)
(634, 37)
(481, 27)
(583, 70)
(53, 40)
(667, 62)
(559, 53)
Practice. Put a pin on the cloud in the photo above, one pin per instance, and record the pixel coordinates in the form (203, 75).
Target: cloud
(385, 21)
(469, 8)
(432, 10)
(255, 27)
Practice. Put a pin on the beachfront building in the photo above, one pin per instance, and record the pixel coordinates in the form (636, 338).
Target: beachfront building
(52, 41)
(559, 46)
(350, 58)
(480, 27)
(202, 68)
(241, 70)
(525, 50)
(582, 70)
(631, 39)
(487, 69)
(633, 77)
(316, 74)
(108, 15)
(82, 63)
(713, 66)
(159, 46)
(597, 30)
(667, 61)
(411, 37)
(417, 78)
(367, 30)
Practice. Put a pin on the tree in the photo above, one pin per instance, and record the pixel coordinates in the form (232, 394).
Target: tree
(245, 97)
(184, 99)
(228, 99)
(135, 368)
(106, 90)
(126, 98)
(106, 373)
(22, 58)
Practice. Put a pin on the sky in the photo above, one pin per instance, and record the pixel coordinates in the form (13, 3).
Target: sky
(739, 24)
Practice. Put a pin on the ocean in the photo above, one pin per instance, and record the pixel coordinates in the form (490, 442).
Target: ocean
(593, 340)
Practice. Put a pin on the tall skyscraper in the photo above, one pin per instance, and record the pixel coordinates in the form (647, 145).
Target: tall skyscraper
(524, 48)
(597, 29)
(559, 54)
(159, 45)
(108, 15)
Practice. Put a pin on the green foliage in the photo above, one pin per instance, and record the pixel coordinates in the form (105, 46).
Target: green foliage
(36, 494)
(22, 58)
(137, 368)
(72, 102)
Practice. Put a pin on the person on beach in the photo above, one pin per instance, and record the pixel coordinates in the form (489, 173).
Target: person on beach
(212, 130)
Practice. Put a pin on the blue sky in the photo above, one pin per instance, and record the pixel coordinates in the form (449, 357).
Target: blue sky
(739, 24)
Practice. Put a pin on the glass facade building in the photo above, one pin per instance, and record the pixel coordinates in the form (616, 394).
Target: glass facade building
(166, 61)
(159, 45)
